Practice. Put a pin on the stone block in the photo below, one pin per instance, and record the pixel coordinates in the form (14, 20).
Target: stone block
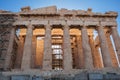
(39, 22)
(37, 78)
(48, 79)
(21, 23)
(82, 76)
(58, 22)
(68, 78)
(4, 77)
(91, 23)
(95, 76)
(20, 77)
(75, 22)
(109, 23)
(111, 76)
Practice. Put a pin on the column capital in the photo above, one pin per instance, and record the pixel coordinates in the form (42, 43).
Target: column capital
(113, 27)
(30, 26)
(66, 26)
(84, 27)
(48, 26)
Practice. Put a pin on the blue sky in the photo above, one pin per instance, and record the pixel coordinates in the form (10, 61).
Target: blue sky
(96, 5)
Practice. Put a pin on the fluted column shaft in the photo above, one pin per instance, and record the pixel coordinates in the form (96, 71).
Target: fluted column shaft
(67, 49)
(80, 52)
(47, 58)
(27, 52)
(19, 52)
(86, 49)
(7, 64)
(75, 55)
(104, 48)
(34, 51)
(116, 39)
(112, 53)
(98, 57)
(93, 51)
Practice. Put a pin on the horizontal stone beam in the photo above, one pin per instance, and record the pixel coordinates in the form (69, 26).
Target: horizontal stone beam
(39, 22)
(75, 22)
(63, 22)
(87, 23)
(19, 23)
(58, 22)
(109, 23)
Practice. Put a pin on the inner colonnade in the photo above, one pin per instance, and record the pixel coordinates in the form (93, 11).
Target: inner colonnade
(66, 47)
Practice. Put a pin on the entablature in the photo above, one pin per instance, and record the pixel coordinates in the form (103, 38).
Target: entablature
(64, 22)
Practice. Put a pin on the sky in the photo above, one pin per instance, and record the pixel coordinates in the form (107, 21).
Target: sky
(96, 5)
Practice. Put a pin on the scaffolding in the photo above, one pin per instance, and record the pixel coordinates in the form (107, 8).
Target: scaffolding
(57, 53)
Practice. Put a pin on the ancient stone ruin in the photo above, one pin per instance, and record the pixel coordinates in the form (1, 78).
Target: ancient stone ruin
(59, 44)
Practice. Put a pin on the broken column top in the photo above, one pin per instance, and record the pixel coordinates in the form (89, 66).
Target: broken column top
(52, 10)
(25, 9)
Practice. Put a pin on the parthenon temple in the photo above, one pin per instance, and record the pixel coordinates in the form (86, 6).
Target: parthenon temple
(45, 40)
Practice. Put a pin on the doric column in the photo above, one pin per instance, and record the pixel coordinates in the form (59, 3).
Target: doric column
(33, 51)
(19, 52)
(80, 52)
(27, 52)
(75, 54)
(93, 50)
(86, 49)
(116, 39)
(7, 64)
(111, 49)
(98, 53)
(47, 58)
(98, 57)
(95, 53)
(104, 48)
(67, 49)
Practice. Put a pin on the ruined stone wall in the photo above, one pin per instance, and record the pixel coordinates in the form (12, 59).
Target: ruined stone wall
(6, 21)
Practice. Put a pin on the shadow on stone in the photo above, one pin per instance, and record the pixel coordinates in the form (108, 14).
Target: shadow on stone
(37, 78)
(20, 77)
(95, 76)
(81, 76)
(111, 76)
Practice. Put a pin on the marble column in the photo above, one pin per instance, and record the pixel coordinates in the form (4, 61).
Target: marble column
(116, 39)
(67, 62)
(27, 52)
(75, 55)
(19, 53)
(111, 49)
(98, 54)
(93, 50)
(33, 57)
(95, 53)
(7, 64)
(80, 52)
(98, 57)
(104, 48)
(86, 49)
(47, 57)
